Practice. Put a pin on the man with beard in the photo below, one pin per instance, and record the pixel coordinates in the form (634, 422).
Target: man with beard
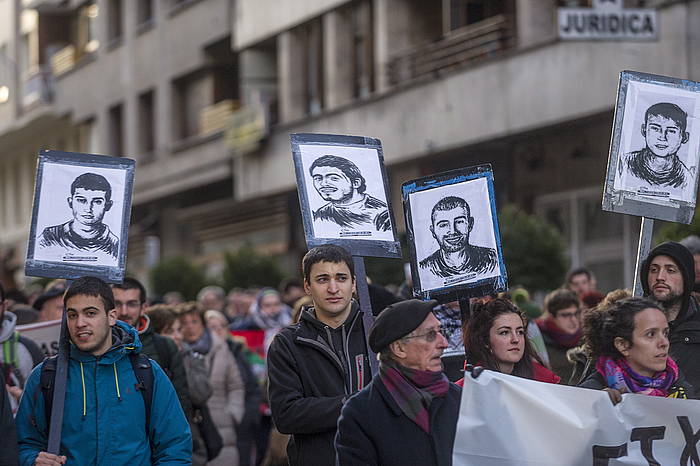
(90, 199)
(339, 181)
(451, 224)
(669, 277)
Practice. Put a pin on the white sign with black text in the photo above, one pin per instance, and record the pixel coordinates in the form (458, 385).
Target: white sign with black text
(607, 20)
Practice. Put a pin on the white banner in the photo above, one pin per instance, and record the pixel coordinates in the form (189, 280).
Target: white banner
(506, 420)
(44, 334)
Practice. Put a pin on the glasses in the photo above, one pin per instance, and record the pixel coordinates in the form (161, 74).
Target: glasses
(569, 315)
(128, 304)
(429, 336)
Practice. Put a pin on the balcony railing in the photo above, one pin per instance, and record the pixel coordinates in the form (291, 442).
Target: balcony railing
(214, 117)
(37, 88)
(465, 45)
(63, 60)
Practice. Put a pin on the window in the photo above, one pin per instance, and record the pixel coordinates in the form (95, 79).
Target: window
(144, 12)
(311, 38)
(363, 57)
(114, 18)
(191, 96)
(85, 137)
(466, 12)
(116, 131)
(86, 29)
(146, 126)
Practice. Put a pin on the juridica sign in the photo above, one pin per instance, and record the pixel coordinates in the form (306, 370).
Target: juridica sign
(607, 20)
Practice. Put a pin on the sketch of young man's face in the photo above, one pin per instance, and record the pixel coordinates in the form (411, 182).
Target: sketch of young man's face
(663, 135)
(333, 185)
(89, 206)
(451, 228)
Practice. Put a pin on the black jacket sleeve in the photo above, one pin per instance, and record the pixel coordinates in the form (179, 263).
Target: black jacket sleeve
(9, 454)
(594, 381)
(293, 412)
(352, 444)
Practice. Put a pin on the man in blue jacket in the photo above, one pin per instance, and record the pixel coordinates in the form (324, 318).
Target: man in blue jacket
(105, 419)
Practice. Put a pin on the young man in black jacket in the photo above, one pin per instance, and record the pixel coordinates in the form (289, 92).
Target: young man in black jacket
(316, 364)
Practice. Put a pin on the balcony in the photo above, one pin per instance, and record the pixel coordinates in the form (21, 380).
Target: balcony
(63, 60)
(213, 118)
(46, 6)
(457, 49)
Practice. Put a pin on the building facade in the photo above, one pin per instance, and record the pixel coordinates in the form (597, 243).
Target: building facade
(204, 94)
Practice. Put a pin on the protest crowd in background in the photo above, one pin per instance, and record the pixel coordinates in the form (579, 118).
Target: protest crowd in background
(268, 376)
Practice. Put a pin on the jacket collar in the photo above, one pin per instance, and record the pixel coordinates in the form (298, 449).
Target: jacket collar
(308, 320)
(125, 340)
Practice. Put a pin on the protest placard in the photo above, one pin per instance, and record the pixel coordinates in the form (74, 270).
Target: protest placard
(507, 421)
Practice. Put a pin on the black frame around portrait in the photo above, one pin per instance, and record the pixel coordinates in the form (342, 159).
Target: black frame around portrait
(628, 202)
(49, 269)
(356, 247)
(456, 292)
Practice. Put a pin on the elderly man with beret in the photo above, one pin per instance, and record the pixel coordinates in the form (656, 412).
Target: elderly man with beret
(408, 413)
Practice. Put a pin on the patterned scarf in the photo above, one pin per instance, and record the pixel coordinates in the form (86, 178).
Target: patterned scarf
(552, 330)
(413, 390)
(619, 375)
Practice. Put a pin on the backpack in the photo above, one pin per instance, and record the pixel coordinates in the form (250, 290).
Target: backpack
(140, 363)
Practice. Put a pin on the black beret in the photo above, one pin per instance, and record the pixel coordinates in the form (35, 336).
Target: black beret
(397, 321)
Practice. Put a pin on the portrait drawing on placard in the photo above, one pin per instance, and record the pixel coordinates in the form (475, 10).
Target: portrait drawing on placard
(659, 143)
(454, 234)
(346, 192)
(79, 216)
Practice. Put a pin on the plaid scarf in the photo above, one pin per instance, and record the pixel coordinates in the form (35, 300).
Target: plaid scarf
(618, 374)
(413, 390)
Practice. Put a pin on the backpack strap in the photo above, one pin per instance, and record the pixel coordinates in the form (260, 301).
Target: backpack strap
(48, 376)
(143, 371)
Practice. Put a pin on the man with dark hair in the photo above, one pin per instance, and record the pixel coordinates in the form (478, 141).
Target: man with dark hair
(451, 225)
(130, 303)
(90, 199)
(18, 354)
(105, 419)
(316, 364)
(581, 281)
(408, 414)
(339, 181)
(658, 164)
(668, 277)
(561, 329)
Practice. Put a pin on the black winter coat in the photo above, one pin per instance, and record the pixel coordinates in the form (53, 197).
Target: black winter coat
(596, 381)
(8, 437)
(372, 430)
(312, 370)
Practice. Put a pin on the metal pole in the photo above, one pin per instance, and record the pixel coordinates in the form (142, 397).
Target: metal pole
(365, 306)
(645, 237)
(59, 392)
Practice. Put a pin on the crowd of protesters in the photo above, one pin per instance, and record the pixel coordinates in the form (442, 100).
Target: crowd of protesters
(282, 376)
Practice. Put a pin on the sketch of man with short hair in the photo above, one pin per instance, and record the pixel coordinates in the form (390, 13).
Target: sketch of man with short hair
(339, 181)
(451, 224)
(90, 198)
(658, 164)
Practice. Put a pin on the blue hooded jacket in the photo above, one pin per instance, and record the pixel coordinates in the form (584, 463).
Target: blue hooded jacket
(104, 418)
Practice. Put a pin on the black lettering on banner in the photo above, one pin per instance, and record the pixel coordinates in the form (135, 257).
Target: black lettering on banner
(645, 436)
(634, 19)
(690, 451)
(601, 455)
(648, 25)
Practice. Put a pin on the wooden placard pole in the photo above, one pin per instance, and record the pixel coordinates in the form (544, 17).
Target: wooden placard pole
(645, 236)
(365, 306)
(59, 391)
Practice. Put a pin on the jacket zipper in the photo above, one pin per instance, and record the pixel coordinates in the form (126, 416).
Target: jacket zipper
(325, 349)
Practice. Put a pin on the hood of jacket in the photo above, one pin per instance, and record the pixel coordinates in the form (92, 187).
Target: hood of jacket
(684, 260)
(125, 340)
(9, 322)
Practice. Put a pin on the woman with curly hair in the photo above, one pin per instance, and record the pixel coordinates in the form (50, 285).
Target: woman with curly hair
(495, 338)
(629, 342)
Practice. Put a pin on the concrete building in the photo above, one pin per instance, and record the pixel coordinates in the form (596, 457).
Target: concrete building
(204, 94)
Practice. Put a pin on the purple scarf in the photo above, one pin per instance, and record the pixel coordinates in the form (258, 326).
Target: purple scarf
(413, 390)
(619, 375)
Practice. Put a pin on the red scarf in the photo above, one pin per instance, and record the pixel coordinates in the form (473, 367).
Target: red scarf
(550, 328)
